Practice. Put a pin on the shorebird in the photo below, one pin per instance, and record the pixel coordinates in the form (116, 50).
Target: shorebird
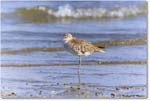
(79, 48)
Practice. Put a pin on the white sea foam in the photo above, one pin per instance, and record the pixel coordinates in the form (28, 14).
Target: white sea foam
(116, 12)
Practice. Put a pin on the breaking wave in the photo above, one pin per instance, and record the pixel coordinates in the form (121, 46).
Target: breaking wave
(67, 12)
(70, 12)
(119, 12)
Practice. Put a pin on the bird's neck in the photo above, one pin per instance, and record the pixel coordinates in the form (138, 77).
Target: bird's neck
(66, 41)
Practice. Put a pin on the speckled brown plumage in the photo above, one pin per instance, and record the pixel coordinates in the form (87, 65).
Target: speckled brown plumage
(81, 47)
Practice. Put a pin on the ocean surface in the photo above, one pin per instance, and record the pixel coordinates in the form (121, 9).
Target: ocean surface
(42, 24)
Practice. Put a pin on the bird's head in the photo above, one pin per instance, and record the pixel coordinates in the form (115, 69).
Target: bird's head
(67, 37)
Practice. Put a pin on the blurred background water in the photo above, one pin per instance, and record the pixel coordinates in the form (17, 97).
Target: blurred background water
(42, 24)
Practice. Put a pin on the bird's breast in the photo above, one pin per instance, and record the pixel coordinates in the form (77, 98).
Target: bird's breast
(76, 50)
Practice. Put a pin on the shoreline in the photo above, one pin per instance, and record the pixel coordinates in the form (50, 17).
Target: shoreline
(96, 63)
(130, 42)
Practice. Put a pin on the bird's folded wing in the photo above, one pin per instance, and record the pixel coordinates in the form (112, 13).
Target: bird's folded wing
(82, 46)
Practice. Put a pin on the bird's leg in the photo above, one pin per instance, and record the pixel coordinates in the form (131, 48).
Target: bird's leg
(79, 72)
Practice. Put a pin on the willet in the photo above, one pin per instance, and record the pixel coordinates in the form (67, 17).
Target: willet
(80, 48)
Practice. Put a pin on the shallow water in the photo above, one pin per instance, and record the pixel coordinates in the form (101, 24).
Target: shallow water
(54, 82)
(60, 81)
(117, 53)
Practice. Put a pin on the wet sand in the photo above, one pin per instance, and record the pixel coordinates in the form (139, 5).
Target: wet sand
(83, 63)
(97, 81)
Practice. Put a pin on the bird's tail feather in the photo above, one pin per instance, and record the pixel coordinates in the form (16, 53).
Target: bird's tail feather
(101, 49)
